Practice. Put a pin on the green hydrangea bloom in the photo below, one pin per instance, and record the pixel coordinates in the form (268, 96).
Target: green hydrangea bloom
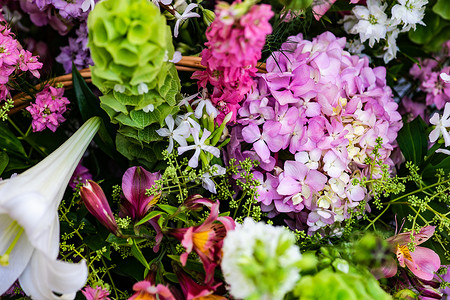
(338, 285)
(131, 45)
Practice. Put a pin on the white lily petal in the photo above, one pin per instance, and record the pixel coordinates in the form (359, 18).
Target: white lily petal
(44, 275)
(36, 217)
(18, 259)
(31, 200)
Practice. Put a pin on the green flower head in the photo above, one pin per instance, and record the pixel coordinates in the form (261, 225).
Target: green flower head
(130, 43)
(131, 46)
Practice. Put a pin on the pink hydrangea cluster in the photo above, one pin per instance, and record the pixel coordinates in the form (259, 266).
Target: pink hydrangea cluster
(233, 49)
(313, 123)
(48, 109)
(14, 60)
(428, 74)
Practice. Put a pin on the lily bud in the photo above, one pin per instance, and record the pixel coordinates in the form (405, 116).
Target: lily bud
(95, 200)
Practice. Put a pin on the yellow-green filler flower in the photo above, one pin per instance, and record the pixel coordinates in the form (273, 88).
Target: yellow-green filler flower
(29, 225)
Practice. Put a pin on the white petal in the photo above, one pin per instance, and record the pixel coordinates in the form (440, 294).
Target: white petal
(445, 77)
(37, 217)
(18, 259)
(44, 275)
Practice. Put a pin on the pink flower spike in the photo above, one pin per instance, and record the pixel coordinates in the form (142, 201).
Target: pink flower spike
(95, 201)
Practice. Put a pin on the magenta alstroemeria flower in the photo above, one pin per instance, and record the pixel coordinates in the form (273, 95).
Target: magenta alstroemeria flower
(194, 291)
(95, 201)
(206, 240)
(423, 262)
(146, 290)
(135, 182)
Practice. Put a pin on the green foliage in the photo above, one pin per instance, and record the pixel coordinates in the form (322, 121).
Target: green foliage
(442, 9)
(131, 45)
(337, 285)
(89, 107)
(412, 141)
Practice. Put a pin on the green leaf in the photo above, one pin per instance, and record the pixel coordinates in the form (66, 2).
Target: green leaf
(9, 142)
(442, 9)
(112, 102)
(117, 240)
(412, 141)
(148, 134)
(438, 39)
(168, 208)
(438, 161)
(132, 100)
(150, 216)
(138, 254)
(424, 34)
(4, 160)
(143, 119)
(89, 106)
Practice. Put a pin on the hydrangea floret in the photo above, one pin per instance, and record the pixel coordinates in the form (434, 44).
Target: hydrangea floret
(328, 111)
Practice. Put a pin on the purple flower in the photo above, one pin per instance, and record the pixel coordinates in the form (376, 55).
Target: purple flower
(95, 294)
(80, 175)
(135, 183)
(199, 146)
(48, 109)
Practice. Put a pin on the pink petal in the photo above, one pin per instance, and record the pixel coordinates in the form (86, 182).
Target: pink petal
(425, 263)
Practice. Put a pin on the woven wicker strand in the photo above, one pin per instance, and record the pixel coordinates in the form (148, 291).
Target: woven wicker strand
(187, 64)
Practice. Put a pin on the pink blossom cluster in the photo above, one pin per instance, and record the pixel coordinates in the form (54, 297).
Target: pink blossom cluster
(312, 123)
(13, 60)
(233, 49)
(428, 74)
(48, 109)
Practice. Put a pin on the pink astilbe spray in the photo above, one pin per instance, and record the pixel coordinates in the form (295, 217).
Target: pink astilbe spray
(235, 39)
(47, 111)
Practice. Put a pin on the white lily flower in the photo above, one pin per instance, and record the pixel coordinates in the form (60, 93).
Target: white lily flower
(29, 225)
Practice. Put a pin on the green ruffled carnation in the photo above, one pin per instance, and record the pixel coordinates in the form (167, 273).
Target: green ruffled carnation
(130, 45)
